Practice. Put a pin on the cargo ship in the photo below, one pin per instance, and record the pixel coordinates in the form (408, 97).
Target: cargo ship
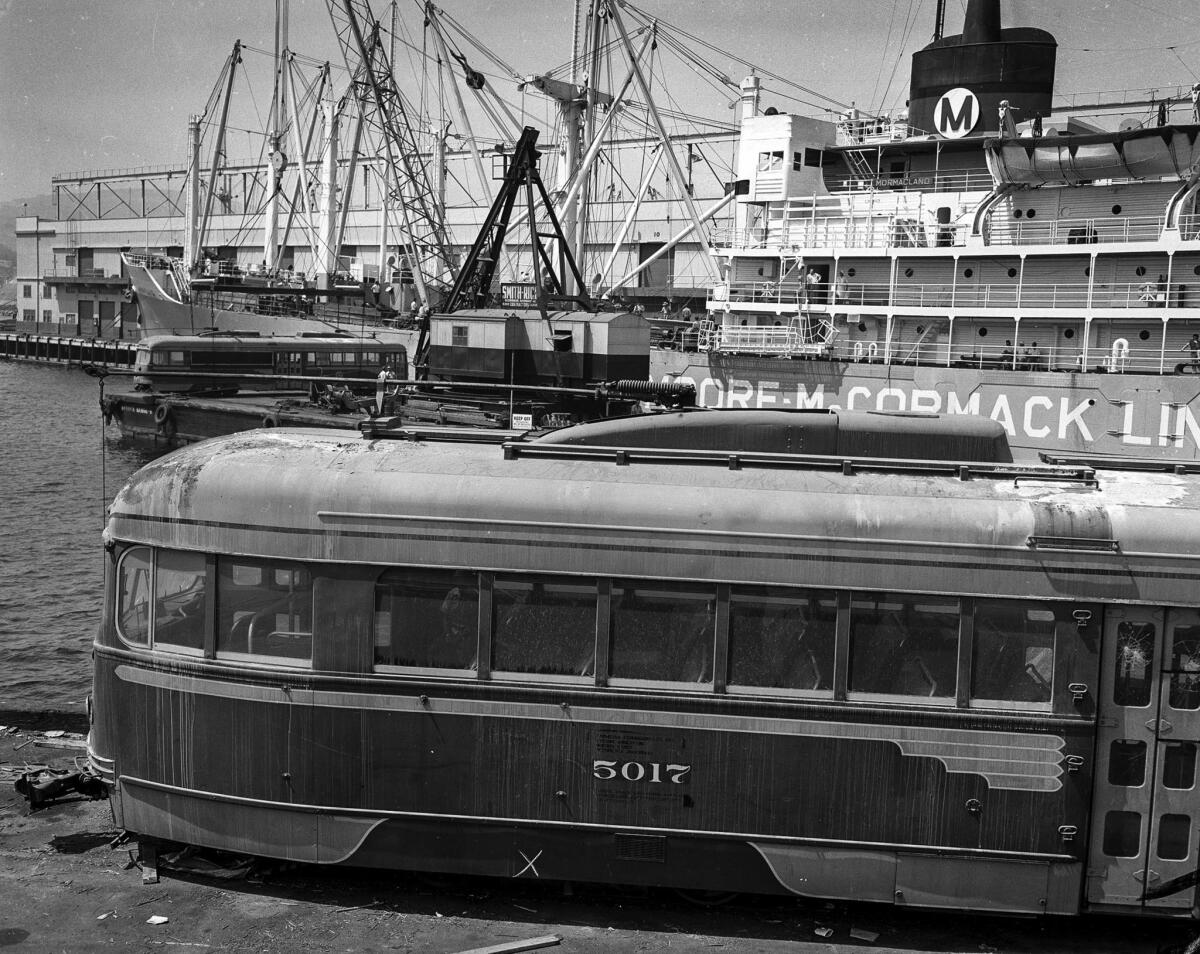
(994, 249)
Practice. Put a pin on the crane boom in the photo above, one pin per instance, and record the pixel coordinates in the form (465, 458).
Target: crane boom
(384, 114)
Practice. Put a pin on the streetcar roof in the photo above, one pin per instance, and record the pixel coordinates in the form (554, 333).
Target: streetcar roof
(311, 494)
(234, 341)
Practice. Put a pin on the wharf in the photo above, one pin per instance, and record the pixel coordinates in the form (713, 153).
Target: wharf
(67, 888)
(57, 349)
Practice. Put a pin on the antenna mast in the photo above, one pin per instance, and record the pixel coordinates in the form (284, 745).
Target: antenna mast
(939, 22)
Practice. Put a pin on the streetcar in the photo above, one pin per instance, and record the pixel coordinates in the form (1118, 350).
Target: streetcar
(229, 362)
(941, 680)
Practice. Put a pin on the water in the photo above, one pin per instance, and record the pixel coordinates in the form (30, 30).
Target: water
(59, 469)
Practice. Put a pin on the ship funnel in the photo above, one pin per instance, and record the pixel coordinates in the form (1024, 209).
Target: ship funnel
(983, 22)
(959, 82)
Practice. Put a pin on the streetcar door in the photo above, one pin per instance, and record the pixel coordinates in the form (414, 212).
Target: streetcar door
(1143, 828)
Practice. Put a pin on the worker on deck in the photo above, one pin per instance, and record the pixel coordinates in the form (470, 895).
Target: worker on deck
(1194, 347)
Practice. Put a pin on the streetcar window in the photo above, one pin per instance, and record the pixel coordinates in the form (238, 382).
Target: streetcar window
(264, 609)
(133, 596)
(1179, 765)
(1134, 663)
(1122, 834)
(1014, 652)
(663, 631)
(1174, 833)
(179, 600)
(1127, 762)
(169, 359)
(903, 645)
(544, 625)
(427, 618)
(236, 359)
(781, 639)
(1185, 668)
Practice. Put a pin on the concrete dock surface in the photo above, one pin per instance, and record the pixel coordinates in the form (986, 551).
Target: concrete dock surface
(68, 883)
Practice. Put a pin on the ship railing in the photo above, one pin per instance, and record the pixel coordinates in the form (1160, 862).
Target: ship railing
(1026, 349)
(145, 259)
(1105, 101)
(76, 272)
(798, 228)
(1121, 355)
(795, 231)
(962, 181)
(1143, 293)
(864, 232)
(1079, 231)
(1189, 227)
(740, 238)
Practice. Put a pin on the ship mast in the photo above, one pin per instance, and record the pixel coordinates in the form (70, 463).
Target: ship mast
(939, 20)
(276, 160)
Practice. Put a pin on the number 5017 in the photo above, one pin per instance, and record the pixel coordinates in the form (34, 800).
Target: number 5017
(608, 769)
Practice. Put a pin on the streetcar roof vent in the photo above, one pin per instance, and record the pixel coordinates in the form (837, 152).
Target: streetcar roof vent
(848, 466)
(894, 435)
(1118, 462)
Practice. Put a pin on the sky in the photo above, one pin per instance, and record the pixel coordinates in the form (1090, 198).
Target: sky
(89, 85)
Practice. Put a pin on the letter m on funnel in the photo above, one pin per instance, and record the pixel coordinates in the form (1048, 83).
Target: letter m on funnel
(956, 113)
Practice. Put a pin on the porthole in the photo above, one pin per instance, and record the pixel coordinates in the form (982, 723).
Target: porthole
(1144, 335)
(1012, 273)
(908, 273)
(1031, 213)
(862, 326)
(1087, 270)
(1140, 271)
(982, 332)
(1069, 333)
(968, 272)
(920, 329)
(851, 272)
(1017, 213)
(1116, 210)
(1196, 270)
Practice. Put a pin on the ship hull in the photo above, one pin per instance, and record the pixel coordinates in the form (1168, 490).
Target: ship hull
(162, 314)
(1143, 415)
(174, 420)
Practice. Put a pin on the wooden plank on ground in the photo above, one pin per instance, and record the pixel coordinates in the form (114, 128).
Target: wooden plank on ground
(514, 947)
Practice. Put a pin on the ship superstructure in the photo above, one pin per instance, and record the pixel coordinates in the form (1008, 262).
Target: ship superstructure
(986, 251)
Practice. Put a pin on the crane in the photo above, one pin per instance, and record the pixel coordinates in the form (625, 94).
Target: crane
(383, 112)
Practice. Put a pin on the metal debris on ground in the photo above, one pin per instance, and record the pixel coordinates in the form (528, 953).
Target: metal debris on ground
(47, 785)
(224, 867)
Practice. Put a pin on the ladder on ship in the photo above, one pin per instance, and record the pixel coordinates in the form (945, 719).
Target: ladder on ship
(932, 328)
(859, 164)
(179, 275)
